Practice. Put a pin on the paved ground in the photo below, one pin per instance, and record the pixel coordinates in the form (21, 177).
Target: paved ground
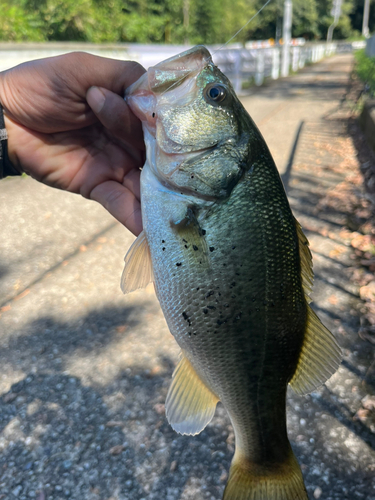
(85, 370)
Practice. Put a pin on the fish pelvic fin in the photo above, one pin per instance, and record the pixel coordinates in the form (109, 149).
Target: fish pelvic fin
(190, 404)
(138, 272)
(266, 481)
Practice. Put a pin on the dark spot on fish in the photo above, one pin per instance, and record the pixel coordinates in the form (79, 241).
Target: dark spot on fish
(162, 241)
(233, 247)
(186, 318)
(224, 265)
(211, 307)
(238, 317)
(186, 246)
(212, 249)
(221, 322)
(189, 334)
(237, 274)
(195, 248)
(195, 333)
(208, 294)
(205, 311)
(203, 231)
(153, 115)
(233, 296)
(226, 304)
(232, 284)
(163, 249)
(178, 264)
(215, 331)
(192, 177)
(183, 239)
(250, 279)
(197, 288)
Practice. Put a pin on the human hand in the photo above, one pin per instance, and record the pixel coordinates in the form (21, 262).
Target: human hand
(69, 127)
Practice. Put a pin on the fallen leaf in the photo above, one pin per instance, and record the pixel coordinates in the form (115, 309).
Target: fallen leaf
(22, 295)
(116, 450)
(333, 299)
(115, 423)
(173, 466)
(159, 408)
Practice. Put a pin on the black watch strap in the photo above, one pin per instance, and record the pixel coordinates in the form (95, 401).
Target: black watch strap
(6, 167)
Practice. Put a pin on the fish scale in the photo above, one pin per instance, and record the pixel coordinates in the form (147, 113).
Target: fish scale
(231, 269)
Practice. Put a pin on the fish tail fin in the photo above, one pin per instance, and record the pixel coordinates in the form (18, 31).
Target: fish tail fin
(251, 481)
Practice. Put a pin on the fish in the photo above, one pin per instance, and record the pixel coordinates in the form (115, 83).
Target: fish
(231, 268)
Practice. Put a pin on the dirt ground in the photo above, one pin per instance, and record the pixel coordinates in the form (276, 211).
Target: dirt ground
(85, 370)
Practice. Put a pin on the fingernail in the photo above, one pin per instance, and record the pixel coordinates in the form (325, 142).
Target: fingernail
(95, 99)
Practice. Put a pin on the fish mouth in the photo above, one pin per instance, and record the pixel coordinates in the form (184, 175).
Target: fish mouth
(142, 95)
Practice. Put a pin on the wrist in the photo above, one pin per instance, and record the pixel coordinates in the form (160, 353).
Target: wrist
(7, 155)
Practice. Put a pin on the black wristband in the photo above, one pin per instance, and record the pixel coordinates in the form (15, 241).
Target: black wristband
(6, 167)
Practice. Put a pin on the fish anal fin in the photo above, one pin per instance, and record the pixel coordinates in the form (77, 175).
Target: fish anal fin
(138, 271)
(190, 404)
(319, 358)
(262, 481)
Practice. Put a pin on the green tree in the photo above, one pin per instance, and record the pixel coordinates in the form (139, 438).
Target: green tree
(16, 25)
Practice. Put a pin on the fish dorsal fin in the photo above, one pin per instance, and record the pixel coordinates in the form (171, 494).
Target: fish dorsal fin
(138, 271)
(306, 262)
(319, 358)
(190, 404)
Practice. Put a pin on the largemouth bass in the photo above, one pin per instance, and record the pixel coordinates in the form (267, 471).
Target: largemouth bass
(232, 271)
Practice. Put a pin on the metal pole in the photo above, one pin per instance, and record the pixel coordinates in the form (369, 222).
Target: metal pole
(287, 35)
(186, 21)
(336, 13)
(366, 13)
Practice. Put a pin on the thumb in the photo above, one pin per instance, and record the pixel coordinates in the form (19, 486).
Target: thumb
(116, 116)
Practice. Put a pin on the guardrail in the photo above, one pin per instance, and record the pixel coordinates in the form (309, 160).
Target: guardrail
(256, 65)
(239, 64)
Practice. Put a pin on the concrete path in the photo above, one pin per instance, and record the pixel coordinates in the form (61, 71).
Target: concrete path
(85, 370)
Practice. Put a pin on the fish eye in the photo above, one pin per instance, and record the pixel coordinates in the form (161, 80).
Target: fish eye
(215, 93)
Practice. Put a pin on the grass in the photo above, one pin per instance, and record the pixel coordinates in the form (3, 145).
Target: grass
(365, 69)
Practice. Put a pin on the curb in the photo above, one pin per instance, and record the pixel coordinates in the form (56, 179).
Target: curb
(367, 122)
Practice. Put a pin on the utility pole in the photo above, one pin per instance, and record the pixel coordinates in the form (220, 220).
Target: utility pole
(366, 13)
(287, 35)
(336, 13)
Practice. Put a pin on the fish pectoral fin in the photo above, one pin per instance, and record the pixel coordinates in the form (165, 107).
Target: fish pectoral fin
(190, 404)
(138, 271)
(319, 358)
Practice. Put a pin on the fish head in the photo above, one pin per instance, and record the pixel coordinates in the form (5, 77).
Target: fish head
(194, 125)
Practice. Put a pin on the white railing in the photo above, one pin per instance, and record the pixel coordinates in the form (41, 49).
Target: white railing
(239, 64)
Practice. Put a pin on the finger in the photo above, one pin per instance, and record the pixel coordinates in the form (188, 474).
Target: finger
(121, 203)
(116, 116)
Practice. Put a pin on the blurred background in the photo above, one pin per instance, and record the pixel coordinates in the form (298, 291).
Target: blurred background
(84, 370)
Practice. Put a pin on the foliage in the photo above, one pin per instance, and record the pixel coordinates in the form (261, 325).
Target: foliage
(365, 68)
(171, 21)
